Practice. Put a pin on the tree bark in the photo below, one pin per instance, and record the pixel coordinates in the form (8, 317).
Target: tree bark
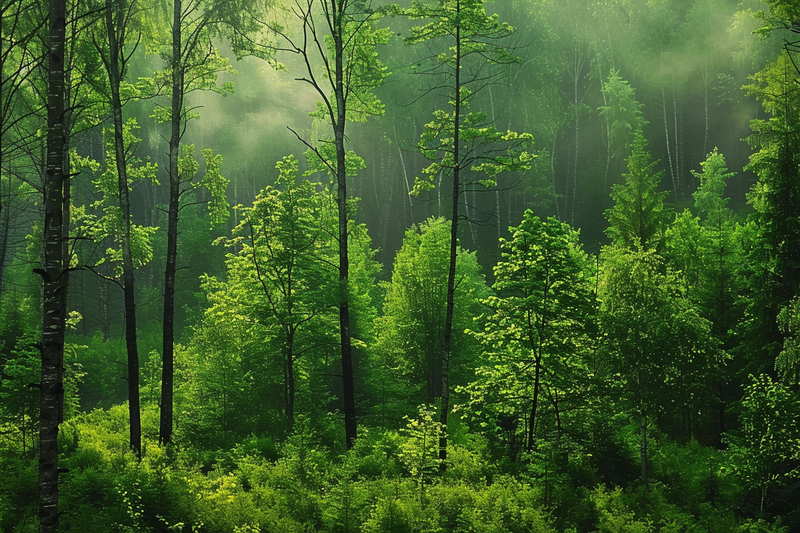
(348, 385)
(115, 76)
(451, 272)
(51, 387)
(168, 337)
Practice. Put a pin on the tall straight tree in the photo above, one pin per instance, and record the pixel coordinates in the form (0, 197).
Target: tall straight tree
(110, 46)
(193, 63)
(461, 143)
(54, 273)
(345, 82)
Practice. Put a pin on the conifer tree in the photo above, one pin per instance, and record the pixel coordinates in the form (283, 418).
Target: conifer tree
(638, 216)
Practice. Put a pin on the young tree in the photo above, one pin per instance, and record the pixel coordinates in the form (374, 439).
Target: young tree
(342, 36)
(193, 62)
(284, 264)
(538, 326)
(111, 40)
(461, 143)
(408, 350)
(638, 217)
(659, 346)
(768, 438)
(623, 114)
(130, 245)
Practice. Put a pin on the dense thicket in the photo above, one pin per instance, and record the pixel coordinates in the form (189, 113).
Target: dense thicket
(605, 339)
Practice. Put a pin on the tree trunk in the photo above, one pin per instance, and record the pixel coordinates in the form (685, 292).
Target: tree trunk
(115, 75)
(677, 148)
(666, 140)
(168, 338)
(451, 272)
(5, 220)
(51, 387)
(643, 445)
(348, 385)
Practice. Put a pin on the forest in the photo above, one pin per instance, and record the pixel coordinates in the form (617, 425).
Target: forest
(278, 266)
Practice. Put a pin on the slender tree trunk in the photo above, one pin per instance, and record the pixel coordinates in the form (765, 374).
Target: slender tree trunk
(405, 176)
(705, 105)
(289, 385)
(534, 404)
(51, 387)
(115, 75)
(642, 429)
(666, 139)
(5, 215)
(451, 272)
(643, 443)
(105, 319)
(168, 338)
(553, 175)
(536, 347)
(348, 385)
(677, 147)
(577, 141)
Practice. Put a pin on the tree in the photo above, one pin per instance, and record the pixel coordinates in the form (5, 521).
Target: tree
(769, 437)
(623, 114)
(345, 83)
(193, 63)
(264, 344)
(538, 326)
(21, 60)
(774, 257)
(782, 15)
(787, 363)
(658, 345)
(720, 285)
(111, 46)
(408, 350)
(638, 216)
(130, 245)
(54, 273)
(461, 143)
(284, 264)
(420, 451)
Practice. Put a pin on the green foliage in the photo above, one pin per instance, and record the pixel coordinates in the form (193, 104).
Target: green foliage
(19, 397)
(410, 332)
(270, 329)
(537, 328)
(769, 437)
(622, 112)
(104, 222)
(788, 361)
(458, 138)
(485, 151)
(659, 347)
(711, 263)
(773, 260)
(362, 73)
(638, 215)
(420, 451)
